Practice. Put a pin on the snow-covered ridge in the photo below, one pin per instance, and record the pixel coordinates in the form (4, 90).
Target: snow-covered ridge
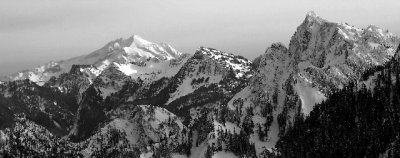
(240, 65)
(121, 51)
(209, 66)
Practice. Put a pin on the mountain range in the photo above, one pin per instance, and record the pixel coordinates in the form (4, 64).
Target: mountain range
(135, 98)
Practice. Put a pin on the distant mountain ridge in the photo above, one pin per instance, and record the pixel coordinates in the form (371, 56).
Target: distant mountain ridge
(121, 52)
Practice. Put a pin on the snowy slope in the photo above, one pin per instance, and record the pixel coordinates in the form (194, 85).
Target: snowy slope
(138, 127)
(153, 70)
(222, 154)
(266, 90)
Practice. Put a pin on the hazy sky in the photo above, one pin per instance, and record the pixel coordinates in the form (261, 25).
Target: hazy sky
(33, 32)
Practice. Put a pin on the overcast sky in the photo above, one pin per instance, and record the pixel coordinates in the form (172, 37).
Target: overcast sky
(33, 32)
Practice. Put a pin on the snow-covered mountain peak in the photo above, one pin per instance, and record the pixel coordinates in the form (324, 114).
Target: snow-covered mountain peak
(121, 51)
(318, 40)
(327, 55)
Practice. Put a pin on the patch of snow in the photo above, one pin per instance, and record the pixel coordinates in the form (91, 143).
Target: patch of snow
(146, 155)
(62, 89)
(344, 34)
(223, 154)
(126, 69)
(374, 45)
(200, 151)
(135, 51)
(309, 97)
(244, 93)
(104, 65)
(186, 88)
(272, 133)
(56, 124)
(139, 41)
(3, 136)
(380, 31)
(91, 72)
(127, 126)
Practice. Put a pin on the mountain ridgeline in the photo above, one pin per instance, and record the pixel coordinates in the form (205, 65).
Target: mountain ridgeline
(333, 92)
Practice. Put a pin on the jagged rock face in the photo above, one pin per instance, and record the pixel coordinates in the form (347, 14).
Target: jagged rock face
(91, 111)
(328, 54)
(325, 56)
(271, 68)
(75, 82)
(89, 115)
